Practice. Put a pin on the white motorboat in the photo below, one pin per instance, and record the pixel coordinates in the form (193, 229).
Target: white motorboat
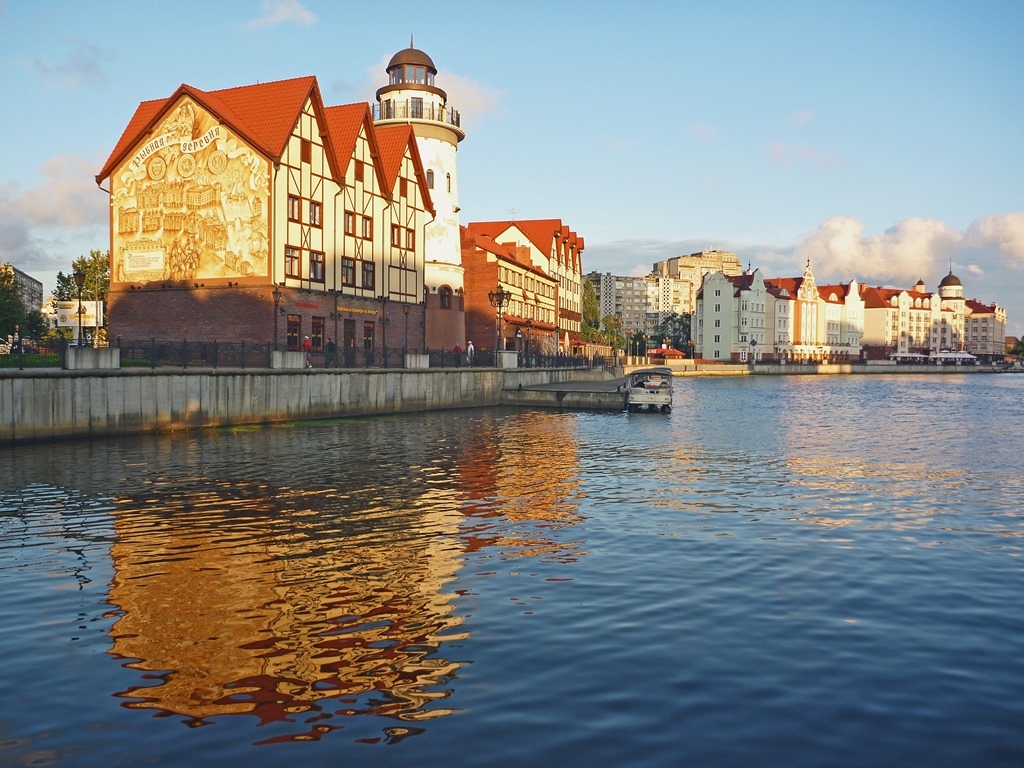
(650, 389)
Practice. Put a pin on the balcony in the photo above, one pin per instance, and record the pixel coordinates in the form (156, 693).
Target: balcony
(415, 110)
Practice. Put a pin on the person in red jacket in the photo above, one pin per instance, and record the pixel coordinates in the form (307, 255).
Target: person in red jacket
(307, 347)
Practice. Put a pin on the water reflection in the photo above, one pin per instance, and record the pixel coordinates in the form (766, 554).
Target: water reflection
(241, 589)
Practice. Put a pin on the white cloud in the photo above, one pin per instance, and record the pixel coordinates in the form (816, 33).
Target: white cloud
(1004, 232)
(800, 118)
(277, 12)
(82, 65)
(44, 227)
(705, 131)
(785, 154)
(913, 249)
(471, 98)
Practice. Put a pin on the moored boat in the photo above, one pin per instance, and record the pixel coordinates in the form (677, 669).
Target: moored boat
(650, 389)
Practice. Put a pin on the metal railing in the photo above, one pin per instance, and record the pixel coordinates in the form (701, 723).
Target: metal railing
(187, 353)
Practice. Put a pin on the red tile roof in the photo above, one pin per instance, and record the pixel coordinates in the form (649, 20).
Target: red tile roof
(394, 141)
(264, 115)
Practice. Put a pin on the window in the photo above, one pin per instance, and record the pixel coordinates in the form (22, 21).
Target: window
(316, 266)
(314, 214)
(396, 235)
(410, 239)
(306, 151)
(291, 262)
(367, 228)
(444, 295)
(350, 223)
(416, 104)
(449, 177)
(292, 333)
(368, 275)
(293, 208)
(430, 178)
(403, 187)
(317, 333)
(359, 170)
(368, 334)
(348, 271)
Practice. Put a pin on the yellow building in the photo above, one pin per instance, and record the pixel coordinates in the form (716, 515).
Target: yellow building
(237, 211)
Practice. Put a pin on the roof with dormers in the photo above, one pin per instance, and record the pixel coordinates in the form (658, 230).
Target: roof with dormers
(549, 236)
(507, 251)
(784, 287)
(264, 115)
(395, 141)
(841, 291)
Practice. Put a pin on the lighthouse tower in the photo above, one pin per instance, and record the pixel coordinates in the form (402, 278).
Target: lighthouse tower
(412, 98)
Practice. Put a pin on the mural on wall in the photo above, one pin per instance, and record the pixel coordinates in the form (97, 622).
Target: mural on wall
(190, 204)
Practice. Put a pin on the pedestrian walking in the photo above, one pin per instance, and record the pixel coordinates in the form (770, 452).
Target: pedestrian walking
(457, 351)
(470, 351)
(307, 347)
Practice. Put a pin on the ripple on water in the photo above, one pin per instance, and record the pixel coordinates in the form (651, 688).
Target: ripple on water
(781, 571)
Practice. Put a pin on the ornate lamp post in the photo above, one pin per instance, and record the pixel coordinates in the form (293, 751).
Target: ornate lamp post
(79, 281)
(499, 300)
(277, 303)
(405, 311)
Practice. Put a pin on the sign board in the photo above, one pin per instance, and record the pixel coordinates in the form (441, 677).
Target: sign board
(67, 314)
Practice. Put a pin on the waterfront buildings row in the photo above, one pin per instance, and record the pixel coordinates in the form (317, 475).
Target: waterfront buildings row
(750, 318)
(237, 211)
(741, 315)
(643, 303)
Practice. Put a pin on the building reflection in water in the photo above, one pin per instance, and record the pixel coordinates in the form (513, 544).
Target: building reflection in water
(247, 595)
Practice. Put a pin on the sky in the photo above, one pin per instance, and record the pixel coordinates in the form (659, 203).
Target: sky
(879, 141)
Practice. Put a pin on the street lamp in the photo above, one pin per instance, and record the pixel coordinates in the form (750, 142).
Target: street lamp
(79, 281)
(405, 311)
(753, 346)
(499, 300)
(277, 302)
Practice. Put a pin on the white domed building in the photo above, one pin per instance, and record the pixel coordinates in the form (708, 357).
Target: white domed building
(411, 97)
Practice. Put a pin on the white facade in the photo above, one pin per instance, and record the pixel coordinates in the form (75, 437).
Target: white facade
(730, 321)
(412, 98)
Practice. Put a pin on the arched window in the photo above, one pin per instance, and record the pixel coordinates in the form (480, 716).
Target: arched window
(445, 295)
(430, 178)
(449, 182)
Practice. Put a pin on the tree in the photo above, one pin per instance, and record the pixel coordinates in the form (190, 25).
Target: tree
(612, 331)
(1016, 349)
(591, 329)
(675, 330)
(12, 308)
(96, 267)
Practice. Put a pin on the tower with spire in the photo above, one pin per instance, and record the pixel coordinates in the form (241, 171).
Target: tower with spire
(412, 98)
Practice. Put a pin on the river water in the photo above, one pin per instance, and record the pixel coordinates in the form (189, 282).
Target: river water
(784, 571)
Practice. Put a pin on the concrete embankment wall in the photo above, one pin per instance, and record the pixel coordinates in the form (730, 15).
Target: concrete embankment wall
(55, 405)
